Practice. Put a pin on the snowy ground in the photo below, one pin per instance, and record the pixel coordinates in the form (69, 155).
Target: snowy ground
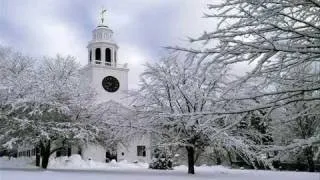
(77, 169)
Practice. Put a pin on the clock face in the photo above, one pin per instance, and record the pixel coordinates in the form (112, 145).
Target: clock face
(110, 84)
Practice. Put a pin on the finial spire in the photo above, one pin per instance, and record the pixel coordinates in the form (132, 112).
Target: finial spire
(102, 13)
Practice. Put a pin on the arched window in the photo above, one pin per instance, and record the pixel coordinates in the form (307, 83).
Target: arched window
(108, 56)
(90, 55)
(98, 54)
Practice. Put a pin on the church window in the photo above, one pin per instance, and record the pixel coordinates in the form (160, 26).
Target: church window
(90, 55)
(98, 54)
(64, 151)
(115, 57)
(79, 151)
(141, 151)
(108, 56)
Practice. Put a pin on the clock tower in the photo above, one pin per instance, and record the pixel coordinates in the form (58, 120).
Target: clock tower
(104, 74)
(109, 80)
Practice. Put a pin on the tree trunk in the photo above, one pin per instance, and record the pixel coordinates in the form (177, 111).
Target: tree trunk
(45, 161)
(229, 157)
(38, 156)
(309, 154)
(45, 153)
(190, 151)
(218, 158)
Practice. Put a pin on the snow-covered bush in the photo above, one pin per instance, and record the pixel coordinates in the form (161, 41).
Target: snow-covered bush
(161, 163)
(161, 160)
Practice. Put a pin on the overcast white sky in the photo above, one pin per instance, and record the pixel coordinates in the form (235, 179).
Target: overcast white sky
(141, 27)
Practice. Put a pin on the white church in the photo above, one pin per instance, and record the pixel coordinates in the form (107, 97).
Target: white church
(109, 80)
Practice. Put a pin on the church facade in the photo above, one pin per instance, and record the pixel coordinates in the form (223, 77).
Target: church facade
(109, 80)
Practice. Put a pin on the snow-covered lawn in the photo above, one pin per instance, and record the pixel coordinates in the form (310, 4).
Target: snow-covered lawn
(153, 175)
(72, 162)
(76, 169)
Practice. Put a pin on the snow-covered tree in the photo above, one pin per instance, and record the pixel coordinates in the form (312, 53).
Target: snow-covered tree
(17, 82)
(43, 104)
(298, 121)
(274, 37)
(173, 100)
(117, 123)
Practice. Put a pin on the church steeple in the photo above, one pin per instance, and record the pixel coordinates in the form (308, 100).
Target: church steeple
(102, 49)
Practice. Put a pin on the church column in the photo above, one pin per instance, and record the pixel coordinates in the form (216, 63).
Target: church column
(103, 56)
(115, 57)
(93, 55)
(112, 58)
(89, 56)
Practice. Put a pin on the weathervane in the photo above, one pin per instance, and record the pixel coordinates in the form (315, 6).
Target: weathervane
(103, 11)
